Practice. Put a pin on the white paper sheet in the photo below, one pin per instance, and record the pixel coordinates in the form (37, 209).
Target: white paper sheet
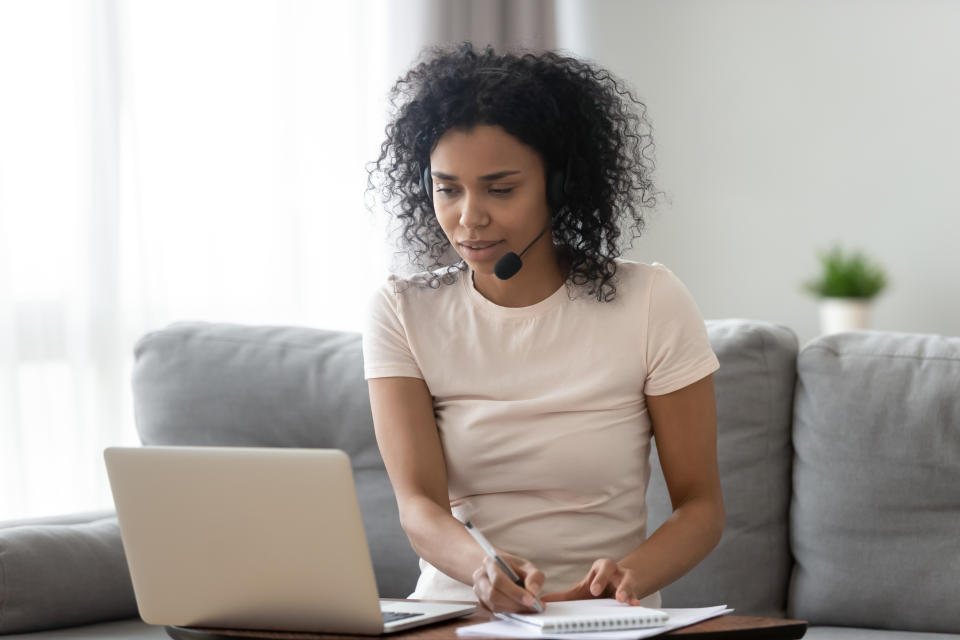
(678, 618)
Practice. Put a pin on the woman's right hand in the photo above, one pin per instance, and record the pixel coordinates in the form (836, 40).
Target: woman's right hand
(497, 592)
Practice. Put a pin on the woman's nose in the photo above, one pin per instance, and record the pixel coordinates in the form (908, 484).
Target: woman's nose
(472, 212)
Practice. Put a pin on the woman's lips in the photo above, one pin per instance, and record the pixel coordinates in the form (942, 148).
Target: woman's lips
(480, 250)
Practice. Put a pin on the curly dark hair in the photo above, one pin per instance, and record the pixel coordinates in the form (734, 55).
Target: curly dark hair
(580, 118)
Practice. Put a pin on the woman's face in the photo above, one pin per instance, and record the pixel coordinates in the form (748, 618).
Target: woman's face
(488, 193)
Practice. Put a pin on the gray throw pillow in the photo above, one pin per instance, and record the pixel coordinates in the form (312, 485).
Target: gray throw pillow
(61, 575)
(875, 518)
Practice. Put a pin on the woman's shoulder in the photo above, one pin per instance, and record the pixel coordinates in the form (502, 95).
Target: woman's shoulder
(638, 274)
(647, 283)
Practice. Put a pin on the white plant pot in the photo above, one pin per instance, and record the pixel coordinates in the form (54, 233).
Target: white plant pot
(844, 314)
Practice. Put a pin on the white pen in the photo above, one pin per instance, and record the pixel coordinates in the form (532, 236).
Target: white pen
(485, 544)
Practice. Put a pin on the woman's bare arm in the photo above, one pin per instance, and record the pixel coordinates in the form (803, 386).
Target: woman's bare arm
(685, 429)
(409, 442)
(410, 445)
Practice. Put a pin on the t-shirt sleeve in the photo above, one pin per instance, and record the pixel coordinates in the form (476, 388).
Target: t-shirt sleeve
(678, 350)
(386, 349)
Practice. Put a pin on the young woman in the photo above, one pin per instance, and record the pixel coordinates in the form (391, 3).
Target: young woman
(525, 400)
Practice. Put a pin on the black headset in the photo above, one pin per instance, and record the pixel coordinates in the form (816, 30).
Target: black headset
(558, 186)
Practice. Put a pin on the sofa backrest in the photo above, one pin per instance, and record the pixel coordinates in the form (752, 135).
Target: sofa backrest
(875, 516)
(750, 568)
(199, 383)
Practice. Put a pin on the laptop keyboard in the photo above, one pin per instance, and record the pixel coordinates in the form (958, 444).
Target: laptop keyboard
(393, 616)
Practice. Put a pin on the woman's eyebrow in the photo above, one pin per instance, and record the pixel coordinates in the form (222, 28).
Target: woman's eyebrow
(488, 177)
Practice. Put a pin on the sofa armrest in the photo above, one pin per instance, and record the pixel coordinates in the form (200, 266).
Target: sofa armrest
(69, 518)
(63, 571)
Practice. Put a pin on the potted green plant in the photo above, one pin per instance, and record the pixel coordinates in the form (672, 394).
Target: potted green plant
(846, 286)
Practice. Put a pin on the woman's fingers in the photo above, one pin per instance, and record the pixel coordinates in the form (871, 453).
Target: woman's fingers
(507, 595)
(625, 591)
(532, 577)
(499, 593)
(604, 572)
(480, 589)
(489, 596)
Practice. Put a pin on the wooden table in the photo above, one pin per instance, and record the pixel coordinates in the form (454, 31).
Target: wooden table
(728, 627)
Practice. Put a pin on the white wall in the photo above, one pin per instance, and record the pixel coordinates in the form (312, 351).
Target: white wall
(784, 126)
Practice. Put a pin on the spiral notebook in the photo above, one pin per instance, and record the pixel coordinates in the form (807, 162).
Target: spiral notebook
(590, 615)
(513, 628)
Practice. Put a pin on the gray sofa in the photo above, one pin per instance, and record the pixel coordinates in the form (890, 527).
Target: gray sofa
(840, 467)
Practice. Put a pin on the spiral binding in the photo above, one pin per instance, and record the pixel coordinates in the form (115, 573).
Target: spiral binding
(602, 624)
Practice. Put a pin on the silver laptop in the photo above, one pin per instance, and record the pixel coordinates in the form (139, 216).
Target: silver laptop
(252, 538)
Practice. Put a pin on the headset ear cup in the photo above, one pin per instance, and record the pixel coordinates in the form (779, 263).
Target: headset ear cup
(426, 183)
(568, 180)
(556, 190)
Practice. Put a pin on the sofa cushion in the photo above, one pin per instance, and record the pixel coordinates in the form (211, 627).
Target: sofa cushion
(200, 383)
(55, 575)
(749, 569)
(875, 517)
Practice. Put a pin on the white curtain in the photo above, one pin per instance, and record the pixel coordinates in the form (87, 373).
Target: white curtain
(165, 160)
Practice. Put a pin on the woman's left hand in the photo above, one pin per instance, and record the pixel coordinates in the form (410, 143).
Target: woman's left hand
(606, 579)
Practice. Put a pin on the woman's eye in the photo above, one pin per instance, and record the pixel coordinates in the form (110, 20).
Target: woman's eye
(449, 191)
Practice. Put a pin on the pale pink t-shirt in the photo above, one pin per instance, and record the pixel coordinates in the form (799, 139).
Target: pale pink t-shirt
(541, 410)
